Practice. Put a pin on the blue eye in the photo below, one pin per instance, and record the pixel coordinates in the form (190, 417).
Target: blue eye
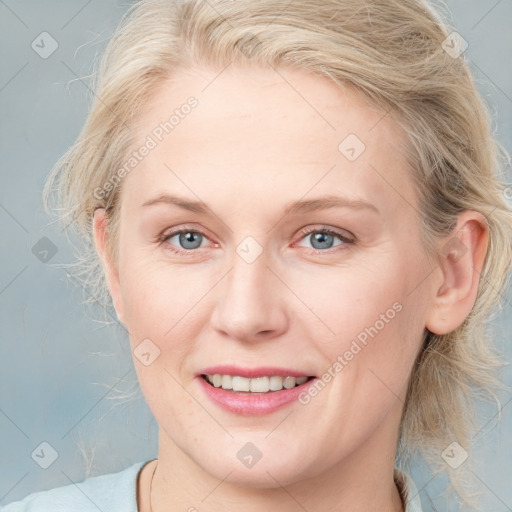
(187, 239)
(322, 239)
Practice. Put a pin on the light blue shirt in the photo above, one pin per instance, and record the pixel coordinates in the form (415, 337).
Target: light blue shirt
(117, 492)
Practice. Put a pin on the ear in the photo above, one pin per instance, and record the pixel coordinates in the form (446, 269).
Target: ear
(100, 223)
(462, 257)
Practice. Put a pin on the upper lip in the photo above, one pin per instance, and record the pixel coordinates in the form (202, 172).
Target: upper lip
(260, 371)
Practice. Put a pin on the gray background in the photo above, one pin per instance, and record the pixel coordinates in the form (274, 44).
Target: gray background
(67, 379)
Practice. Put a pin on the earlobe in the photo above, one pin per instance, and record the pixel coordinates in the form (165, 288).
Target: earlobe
(100, 222)
(462, 256)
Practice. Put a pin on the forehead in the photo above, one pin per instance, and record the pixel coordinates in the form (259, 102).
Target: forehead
(263, 130)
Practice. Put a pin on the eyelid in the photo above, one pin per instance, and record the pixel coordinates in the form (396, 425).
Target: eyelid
(342, 234)
(169, 232)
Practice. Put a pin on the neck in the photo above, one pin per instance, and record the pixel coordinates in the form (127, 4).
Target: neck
(362, 481)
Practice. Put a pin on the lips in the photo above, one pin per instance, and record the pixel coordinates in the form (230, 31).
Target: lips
(252, 403)
(257, 402)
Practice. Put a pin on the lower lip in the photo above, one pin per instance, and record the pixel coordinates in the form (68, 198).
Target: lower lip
(253, 404)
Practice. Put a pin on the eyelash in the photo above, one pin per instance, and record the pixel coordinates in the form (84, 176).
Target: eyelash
(165, 237)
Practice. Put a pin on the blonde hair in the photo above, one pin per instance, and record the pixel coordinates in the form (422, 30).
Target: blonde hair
(393, 53)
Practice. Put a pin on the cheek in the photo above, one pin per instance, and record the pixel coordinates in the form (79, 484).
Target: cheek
(152, 304)
(161, 301)
(348, 300)
(370, 324)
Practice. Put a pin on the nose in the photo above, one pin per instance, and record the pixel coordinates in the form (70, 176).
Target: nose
(250, 303)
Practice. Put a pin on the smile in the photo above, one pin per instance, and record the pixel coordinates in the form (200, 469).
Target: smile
(263, 384)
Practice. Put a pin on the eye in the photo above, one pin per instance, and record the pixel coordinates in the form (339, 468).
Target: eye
(186, 240)
(322, 239)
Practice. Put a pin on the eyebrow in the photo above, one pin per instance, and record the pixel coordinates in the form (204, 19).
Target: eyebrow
(301, 206)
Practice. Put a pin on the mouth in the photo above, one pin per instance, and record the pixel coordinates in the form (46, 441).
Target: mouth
(256, 385)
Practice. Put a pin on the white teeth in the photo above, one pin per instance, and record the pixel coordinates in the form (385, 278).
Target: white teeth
(289, 382)
(227, 382)
(241, 383)
(259, 385)
(276, 383)
(255, 385)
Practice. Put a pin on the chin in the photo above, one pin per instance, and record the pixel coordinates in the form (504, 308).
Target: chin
(271, 475)
(279, 468)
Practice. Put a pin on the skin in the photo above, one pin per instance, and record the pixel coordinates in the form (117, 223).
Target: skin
(257, 140)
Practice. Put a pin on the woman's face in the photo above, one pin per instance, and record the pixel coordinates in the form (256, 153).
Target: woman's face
(339, 292)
